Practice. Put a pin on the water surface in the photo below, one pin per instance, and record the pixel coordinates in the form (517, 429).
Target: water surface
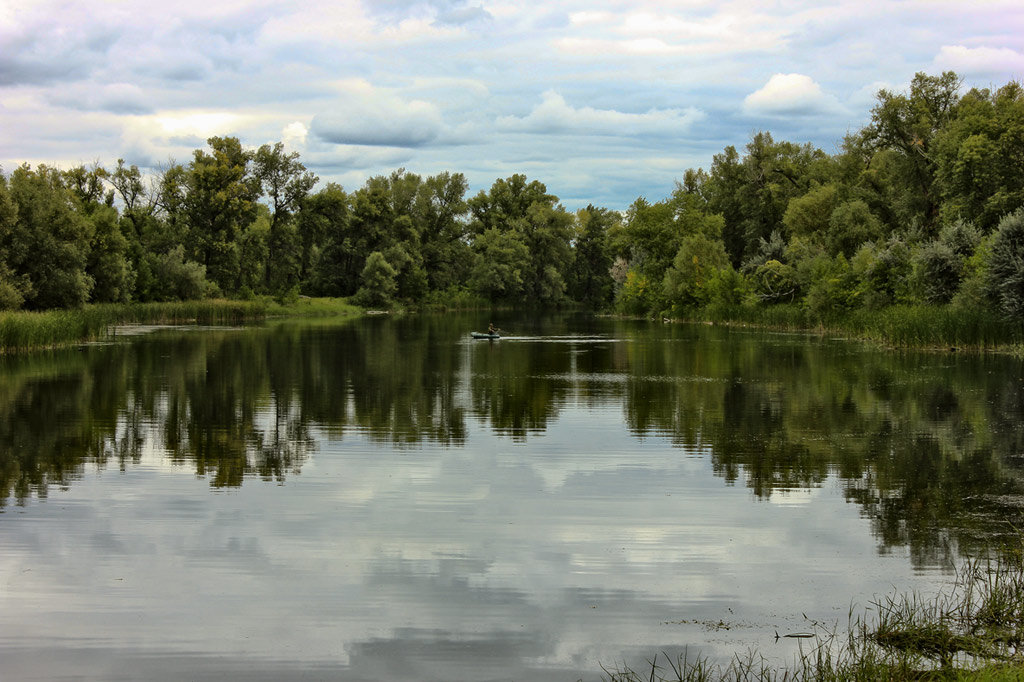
(386, 499)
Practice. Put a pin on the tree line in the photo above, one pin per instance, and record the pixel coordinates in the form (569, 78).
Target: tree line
(922, 205)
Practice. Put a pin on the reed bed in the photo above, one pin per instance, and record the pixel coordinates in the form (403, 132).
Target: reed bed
(941, 326)
(25, 330)
(973, 631)
(900, 326)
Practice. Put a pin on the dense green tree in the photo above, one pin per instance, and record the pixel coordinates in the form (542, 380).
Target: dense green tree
(108, 264)
(907, 125)
(526, 211)
(851, 225)
(1006, 266)
(688, 283)
(501, 265)
(47, 245)
(651, 235)
(321, 220)
(809, 214)
(937, 271)
(440, 214)
(286, 183)
(883, 274)
(590, 279)
(378, 282)
(173, 278)
(219, 204)
(507, 200)
(979, 153)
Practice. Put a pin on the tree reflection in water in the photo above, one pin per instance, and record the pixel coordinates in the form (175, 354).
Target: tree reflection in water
(928, 445)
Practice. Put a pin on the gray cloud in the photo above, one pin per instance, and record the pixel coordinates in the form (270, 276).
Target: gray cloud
(376, 117)
(460, 16)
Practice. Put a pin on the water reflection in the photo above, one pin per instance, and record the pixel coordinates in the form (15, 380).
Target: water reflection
(926, 444)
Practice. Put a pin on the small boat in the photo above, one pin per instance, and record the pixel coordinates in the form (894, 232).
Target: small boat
(484, 335)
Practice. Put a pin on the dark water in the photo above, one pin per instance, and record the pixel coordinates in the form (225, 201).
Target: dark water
(385, 499)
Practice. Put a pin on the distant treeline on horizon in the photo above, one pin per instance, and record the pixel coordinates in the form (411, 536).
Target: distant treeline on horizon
(922, 205)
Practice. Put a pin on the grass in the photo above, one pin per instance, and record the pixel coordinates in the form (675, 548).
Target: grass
(899, 326)
(974, 631)
(25, 330)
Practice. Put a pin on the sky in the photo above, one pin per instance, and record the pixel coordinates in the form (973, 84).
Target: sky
(603, 101)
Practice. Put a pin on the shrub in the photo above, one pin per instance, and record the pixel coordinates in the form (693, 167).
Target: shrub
(379, 284)
(937, 272)
(1006, 265)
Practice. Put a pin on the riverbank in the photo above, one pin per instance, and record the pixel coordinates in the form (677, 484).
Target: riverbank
(972, 631)
(902, 326)
(25, 330)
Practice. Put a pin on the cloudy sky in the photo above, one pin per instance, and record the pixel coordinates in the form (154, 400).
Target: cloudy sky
(603, 100)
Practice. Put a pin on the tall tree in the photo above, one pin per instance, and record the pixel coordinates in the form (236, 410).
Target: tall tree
(524, 209)
(590, 277)
(979, 154)
(907, 124)
(219, 205)
(285, 182)
(47, 246)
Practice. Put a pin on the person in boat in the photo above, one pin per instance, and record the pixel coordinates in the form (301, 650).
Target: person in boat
(491, 329)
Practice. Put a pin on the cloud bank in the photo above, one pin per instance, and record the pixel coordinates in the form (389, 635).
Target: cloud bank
(603, 101)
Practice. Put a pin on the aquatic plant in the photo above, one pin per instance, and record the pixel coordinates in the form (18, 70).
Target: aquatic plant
(973, 631)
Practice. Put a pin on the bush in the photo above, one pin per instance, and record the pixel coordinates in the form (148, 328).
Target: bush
(1006, 265)
(937, 272)
(379, 283)
(172, 278)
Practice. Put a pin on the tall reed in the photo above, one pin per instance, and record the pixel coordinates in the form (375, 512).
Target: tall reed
(23, 330)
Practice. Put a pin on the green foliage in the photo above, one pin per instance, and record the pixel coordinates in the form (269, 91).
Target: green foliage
(687, 283)
(378, 283)
(1006, 266)
(832, 289)
(974, 289)
(108, 265)
(907, 125)
(47, 243)
(220, 198)
(883, 274)
(810, 213)
(590, 279)
(637, 295)
(858, 229)
(502, 260)
(851, 225)
(978, 155)
(173, 278)
(286, 183)
(937, 271)
(775, 282)
(729, 287)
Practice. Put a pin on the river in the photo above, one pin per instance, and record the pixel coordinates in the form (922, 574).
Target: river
(386, 499)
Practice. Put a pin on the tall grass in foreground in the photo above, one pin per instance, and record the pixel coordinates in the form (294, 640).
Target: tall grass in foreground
(23, 330)
(973, 631)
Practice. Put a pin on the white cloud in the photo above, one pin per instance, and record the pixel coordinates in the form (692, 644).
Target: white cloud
(978, 61)
(294, 135)
(789, 94)
(555, 115)
(371, 116)
(672, 33)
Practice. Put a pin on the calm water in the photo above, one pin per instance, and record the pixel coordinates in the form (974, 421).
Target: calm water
(385, 499)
